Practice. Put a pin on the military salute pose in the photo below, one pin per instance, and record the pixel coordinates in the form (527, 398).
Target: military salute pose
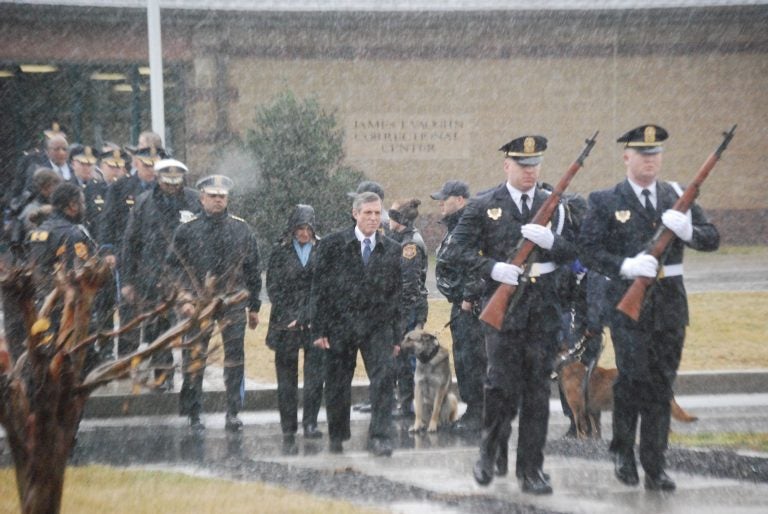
(221, 246)
(619, 224)
(520, 354)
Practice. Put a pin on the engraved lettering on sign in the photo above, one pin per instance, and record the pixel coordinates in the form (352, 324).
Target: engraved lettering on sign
(393, 136)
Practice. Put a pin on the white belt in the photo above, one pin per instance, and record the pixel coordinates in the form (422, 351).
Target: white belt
(541, 268)
(671, 270)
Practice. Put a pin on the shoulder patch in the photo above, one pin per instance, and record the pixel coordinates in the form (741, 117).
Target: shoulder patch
(238, 218)
(38, 236)
(410, 251)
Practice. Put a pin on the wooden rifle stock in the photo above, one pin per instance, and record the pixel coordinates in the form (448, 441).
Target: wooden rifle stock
(632, 302)
(496, 308)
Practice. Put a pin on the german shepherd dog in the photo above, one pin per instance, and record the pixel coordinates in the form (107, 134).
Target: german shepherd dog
(586, 404)
(434, 404)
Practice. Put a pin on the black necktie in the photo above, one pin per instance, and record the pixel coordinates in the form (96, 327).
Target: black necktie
(648, 205)
(524, 209)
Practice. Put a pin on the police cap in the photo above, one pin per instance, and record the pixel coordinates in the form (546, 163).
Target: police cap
(452, 188)
(170, 171)
(150, 155)
(82, 154)
(526, 150)
(215, 184)
(646, 139)
(114, 157)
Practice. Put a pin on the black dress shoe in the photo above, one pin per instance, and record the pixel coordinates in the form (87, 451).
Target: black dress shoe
(380, 447)
(232, 423)
(311, 432)
(519, 474)
(483, 476)
(625, 468)
(195, 424)
(289, 445)
(502, 463)
(335, 446)
(535, 483)
(659, 482)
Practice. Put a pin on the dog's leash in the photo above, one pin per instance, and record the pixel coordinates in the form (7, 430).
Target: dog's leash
(572, 355)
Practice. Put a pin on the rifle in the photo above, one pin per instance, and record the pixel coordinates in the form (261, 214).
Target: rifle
(632, 302)
(494, 311)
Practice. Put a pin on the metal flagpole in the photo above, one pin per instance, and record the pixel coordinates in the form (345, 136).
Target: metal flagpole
(156, 68)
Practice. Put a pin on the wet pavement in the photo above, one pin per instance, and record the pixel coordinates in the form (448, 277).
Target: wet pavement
(432, 472)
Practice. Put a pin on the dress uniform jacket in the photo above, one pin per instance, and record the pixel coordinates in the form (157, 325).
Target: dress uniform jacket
(413, 263)
(221, 245)
(489, 231)
(119, 200)
(617, 226)
(148, 234)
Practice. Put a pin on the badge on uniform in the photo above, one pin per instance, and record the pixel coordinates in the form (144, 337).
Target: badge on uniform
(409, 251)
(623, 216)
(494, 213)
(129, 201)
(39, 236)
(186, 216)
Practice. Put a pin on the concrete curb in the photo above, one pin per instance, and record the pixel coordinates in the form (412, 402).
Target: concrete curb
(150, 404)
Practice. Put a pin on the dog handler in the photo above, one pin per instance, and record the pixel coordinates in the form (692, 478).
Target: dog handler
(520, 355)
(620, 222)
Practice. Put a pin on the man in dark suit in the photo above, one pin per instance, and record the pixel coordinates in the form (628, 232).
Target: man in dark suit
(355, 305)
(521, 354)
(620, 222)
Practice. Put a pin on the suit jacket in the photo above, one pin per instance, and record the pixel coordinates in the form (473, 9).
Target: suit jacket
(489, 231)
(617, 226)
(352, 303)
(118, 202)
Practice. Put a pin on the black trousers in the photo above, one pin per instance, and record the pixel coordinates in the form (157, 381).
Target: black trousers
(647, 361)
(469, 357)
(287, 370)
(379, 364)
(519, 365)
(193, 365)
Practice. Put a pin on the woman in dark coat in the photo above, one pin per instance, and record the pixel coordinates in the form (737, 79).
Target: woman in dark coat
(289, 283)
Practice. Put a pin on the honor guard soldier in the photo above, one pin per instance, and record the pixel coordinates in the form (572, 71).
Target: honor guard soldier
(154, 217)
(521, 354)
(83, 163)
(219, 245)
(620, 223)
(464, 292)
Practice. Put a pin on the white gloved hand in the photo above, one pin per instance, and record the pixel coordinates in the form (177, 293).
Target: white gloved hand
(506, 273)
(678, 223)
(539, 235)
(641, 265)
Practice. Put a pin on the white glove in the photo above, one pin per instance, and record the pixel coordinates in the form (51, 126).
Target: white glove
(678, 223)
(641, 265)
(539, 235)
(506, 273)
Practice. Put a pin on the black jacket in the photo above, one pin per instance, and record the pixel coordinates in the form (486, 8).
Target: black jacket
(222, 245)
(617, 226)
(148, 234)
(413, 264)
(118, 202)
(351, 302)
(489, 231)
(289, 285)
(452, 281)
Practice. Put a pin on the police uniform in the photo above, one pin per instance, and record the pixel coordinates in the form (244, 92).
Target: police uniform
(520, 355)
(466, 331)
(222, 246)
(148, 234)
(94, 190)
(617, 226)
(413, 299)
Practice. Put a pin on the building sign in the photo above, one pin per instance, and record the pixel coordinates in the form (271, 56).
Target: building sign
(395, 136)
